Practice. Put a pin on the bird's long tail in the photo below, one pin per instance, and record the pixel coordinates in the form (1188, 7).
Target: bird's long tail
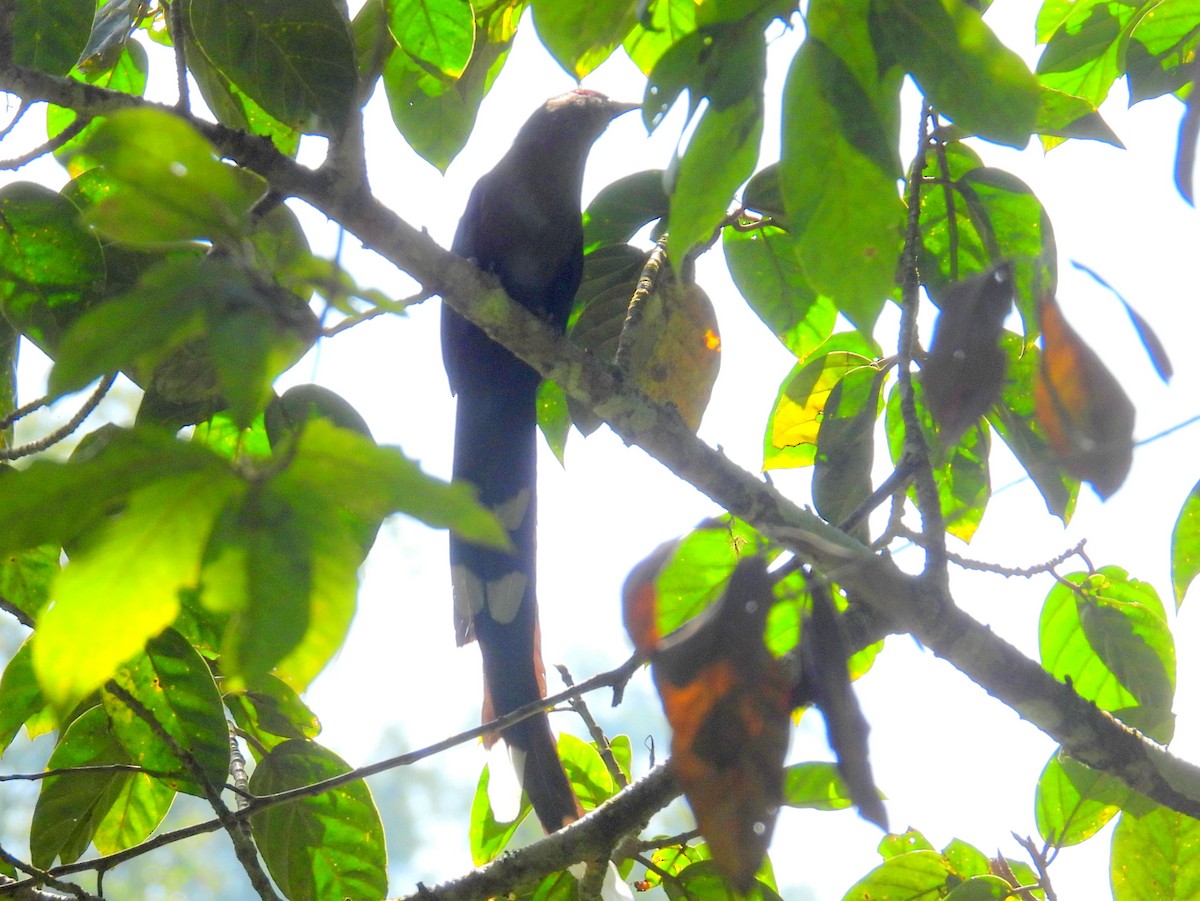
(495, 600)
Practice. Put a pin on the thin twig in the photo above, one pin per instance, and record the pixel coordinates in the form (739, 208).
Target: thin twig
(41, 444)
(80, 123)
(637, 304)
(928, 501)
(41, 877)
(602, 743)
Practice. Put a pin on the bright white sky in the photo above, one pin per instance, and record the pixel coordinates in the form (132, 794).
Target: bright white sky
(953, 762)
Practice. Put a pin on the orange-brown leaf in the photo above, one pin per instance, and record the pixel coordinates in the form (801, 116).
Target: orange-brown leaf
(1087, 416)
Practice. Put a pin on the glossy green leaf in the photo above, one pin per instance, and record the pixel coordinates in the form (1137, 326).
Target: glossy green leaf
(668, 22)
(348, 472)
(554, 417)
(51, 503)
(846, 445)
(111, 29)
(25, 578)
(49, 35)
(967, 860)
(1162, 44)
(20, 694)
(699, 569)
(168, 184)
(328, 846)
(719, 157)
(703, 881)
(1062, 116)
(961, 472)
(815, 785)
(905, 877)
(128, 75)
(1110, 637)
(961, 66)
(1082, 56)
(234, 107)
(436, 114)
(622, 208)
(72, 809)
(488, 836)
(49, 263)
(590, 779)
(438, 33)
(296, 59)
(897, 843)
(792, 432)
(1073, 801)
(123, 587)
(981, 888)
(765, 266)
(1185, 545)
(582, 36)
(271, 712)
(173, 684)
(839, 167)
(1156, 856)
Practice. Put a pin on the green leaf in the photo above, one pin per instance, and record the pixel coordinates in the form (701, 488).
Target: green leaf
(1083, 54)
(765, 266)
(25, 578)
(961, 66)
(622, 208)
(1162, 44)
(128, 75)
(20, 694)
(168, 184)
(846, 445)
(554, 417)
(967, 860)
(52, 503)
(703, 880)
(234, 107)
(488, 836)
(590, 779)
(123, 587)
(328, 846)
(582, 36)
(438, 33)
(981, 888)
(1062, 116)
(111, 28)
(296, 59)
(699, 569)
(896, 844)
(838, 170)
(816, 785)
(667, 23)
(961, 472)
(49, 263)
(72, 808)
(1185, 545)
(49, 35)
(434, 113)
(348, 472)
(719, 158)
(271, 712)
(173, 684)
(1073, 801)
(1156, 856)
(791, 436)
(905, 877)
(1108, 634)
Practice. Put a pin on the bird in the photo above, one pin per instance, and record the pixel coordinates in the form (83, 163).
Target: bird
(523, 225)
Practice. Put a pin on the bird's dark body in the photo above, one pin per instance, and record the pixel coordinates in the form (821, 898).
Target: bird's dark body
(523, 225)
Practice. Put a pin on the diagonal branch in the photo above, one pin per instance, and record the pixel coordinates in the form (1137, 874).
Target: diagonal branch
(928, 612)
